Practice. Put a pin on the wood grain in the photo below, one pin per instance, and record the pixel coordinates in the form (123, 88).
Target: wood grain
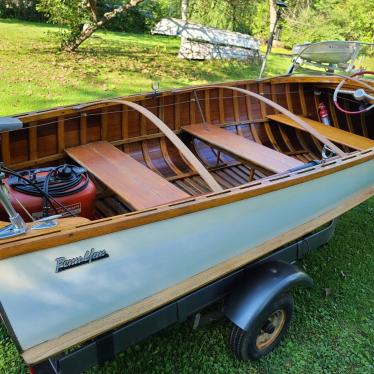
(243, 148)
(138, 186)
(337, 135)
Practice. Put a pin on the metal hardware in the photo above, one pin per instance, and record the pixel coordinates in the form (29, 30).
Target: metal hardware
(155, 87)
(46, 222)
(17, 224)
(326, 153)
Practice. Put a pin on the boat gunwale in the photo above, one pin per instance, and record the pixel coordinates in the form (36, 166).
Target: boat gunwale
(22, 245)
(29, 117)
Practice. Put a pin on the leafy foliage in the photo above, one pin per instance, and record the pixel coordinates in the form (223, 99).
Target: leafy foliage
(73, 14)
(21, 9)
(328, 20)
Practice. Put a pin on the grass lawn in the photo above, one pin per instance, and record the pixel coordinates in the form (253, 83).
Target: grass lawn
(332, 332)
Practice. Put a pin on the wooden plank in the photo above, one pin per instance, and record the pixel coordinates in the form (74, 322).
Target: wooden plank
(61, 134)
(33, 151)
(140, 187)
(104, 124)
(83, 128)
(90, 330)
(243, 148)
(334, 134)
(5, 148)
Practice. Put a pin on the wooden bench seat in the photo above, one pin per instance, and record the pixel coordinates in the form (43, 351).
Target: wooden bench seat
(334, 134)
(133, 182)
(242, 148)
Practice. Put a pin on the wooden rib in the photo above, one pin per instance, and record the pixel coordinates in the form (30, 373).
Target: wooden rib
(255, 135)
(284, 135)
(161, 108)
(147, 158)
(83, 128)
(104, 123)
(143, 125)
(268, 131)
(304, 109)
(182, 148)
(192, 108)
(349, 123)
(299, 134)
(118, 318)
(248, 104)
(5, 148)
(236, 107)
(363, 125)
(33, 141)
(221, 106)
(61, 134)
(168, 160)
(207, 106)
(177, 112)
(125, 122)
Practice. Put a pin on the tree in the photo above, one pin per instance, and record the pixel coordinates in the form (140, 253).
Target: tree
(80, 17)
(184, 10)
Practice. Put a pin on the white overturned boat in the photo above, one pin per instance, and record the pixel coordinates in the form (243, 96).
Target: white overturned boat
(169, 191)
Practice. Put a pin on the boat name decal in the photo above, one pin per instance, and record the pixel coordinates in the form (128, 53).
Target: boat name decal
(63, 263)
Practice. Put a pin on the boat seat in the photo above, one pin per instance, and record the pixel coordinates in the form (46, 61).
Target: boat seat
(242, 148)
(133, 182)
(334, 134)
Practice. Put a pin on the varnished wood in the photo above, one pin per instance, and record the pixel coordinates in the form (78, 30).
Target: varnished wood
(337, 135)
(140, 187)
(243, 148)
(286, 112)
(187, 154)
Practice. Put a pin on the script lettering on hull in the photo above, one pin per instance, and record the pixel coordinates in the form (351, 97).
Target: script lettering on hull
(63, 263)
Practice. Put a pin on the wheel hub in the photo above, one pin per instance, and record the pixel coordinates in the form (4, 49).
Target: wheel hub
(271, 329)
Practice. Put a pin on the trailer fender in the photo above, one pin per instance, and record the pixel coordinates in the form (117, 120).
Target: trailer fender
(259, 288)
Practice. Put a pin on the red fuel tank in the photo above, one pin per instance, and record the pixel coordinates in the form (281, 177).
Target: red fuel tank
(67, 184)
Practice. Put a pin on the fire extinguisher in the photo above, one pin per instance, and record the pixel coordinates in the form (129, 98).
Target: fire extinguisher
(324, 114)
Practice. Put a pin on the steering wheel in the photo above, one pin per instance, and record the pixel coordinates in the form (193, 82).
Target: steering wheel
(358, 94)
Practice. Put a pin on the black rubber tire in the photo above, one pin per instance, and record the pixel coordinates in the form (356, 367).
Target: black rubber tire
(243, 343)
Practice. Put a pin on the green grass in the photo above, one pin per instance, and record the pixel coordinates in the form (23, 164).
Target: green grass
(329, 334)
(35, 75)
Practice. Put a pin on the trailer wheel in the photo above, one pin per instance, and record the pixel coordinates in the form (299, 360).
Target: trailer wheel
(265, 333)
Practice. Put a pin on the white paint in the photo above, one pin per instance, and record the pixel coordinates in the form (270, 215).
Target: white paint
(42, 304)
(197, 32)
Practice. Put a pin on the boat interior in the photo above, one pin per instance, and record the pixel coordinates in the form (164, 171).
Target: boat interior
(162, 148)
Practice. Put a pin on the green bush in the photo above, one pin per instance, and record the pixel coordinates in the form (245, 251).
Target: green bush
(330, 20)
(20, 9)
(139, 19)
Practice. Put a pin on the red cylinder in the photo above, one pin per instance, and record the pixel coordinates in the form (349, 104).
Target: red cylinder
(80, 203)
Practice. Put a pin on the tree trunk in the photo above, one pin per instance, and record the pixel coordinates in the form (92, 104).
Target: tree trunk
(86, 32)
(273, 13)
(184, 10)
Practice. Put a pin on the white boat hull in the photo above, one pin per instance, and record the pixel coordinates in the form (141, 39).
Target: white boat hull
(326, 52)
(41, 304)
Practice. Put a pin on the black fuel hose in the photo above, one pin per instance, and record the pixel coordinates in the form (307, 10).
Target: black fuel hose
(41, 192)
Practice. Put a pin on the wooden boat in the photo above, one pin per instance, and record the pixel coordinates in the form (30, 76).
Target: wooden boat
(191, 184)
